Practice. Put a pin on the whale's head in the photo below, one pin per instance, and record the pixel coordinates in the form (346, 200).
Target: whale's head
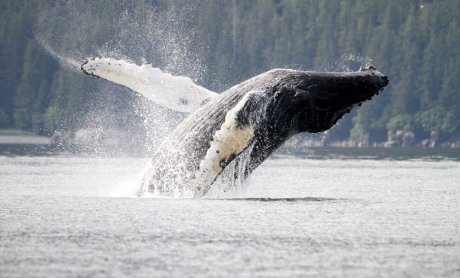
(315, 101)
(301, 101)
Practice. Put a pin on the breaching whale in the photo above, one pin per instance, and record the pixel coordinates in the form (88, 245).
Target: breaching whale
(255, 117)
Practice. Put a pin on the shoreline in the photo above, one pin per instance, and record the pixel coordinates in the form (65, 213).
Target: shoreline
(44, 140)
(25, 140)
(42, 145)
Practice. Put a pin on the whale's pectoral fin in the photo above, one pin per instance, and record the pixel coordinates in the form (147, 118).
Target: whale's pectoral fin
(177, 93)
(235, 135)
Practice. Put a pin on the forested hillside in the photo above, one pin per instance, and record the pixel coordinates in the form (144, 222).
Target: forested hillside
(221, 43)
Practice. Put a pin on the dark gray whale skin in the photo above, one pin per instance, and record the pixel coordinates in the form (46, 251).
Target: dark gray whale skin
(286, 102)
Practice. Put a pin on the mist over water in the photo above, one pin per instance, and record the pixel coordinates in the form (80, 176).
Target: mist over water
(351, 62)
(137, 31)
(141, 32)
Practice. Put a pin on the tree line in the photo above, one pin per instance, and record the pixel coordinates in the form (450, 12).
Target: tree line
(221, 43)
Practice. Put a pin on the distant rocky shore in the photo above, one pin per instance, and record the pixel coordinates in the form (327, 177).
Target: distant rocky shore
(398, 138)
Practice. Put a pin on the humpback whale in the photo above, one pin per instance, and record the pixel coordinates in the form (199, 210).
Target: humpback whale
(254, 117)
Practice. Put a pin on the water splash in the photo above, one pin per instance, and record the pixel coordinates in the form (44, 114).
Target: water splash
(128, 187)
(351, 62)
(69, 62)
(232, 181)
(138, 31)
(131, 30)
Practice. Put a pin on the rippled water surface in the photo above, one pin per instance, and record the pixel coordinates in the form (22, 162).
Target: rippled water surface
(77, 216)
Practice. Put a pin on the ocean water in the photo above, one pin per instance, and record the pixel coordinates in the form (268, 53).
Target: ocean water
(309, 215)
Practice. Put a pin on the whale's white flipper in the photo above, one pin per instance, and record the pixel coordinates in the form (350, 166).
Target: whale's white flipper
(235, 135)
(177, 93)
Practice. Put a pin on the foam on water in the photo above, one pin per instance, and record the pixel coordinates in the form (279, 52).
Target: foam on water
(128, 187)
